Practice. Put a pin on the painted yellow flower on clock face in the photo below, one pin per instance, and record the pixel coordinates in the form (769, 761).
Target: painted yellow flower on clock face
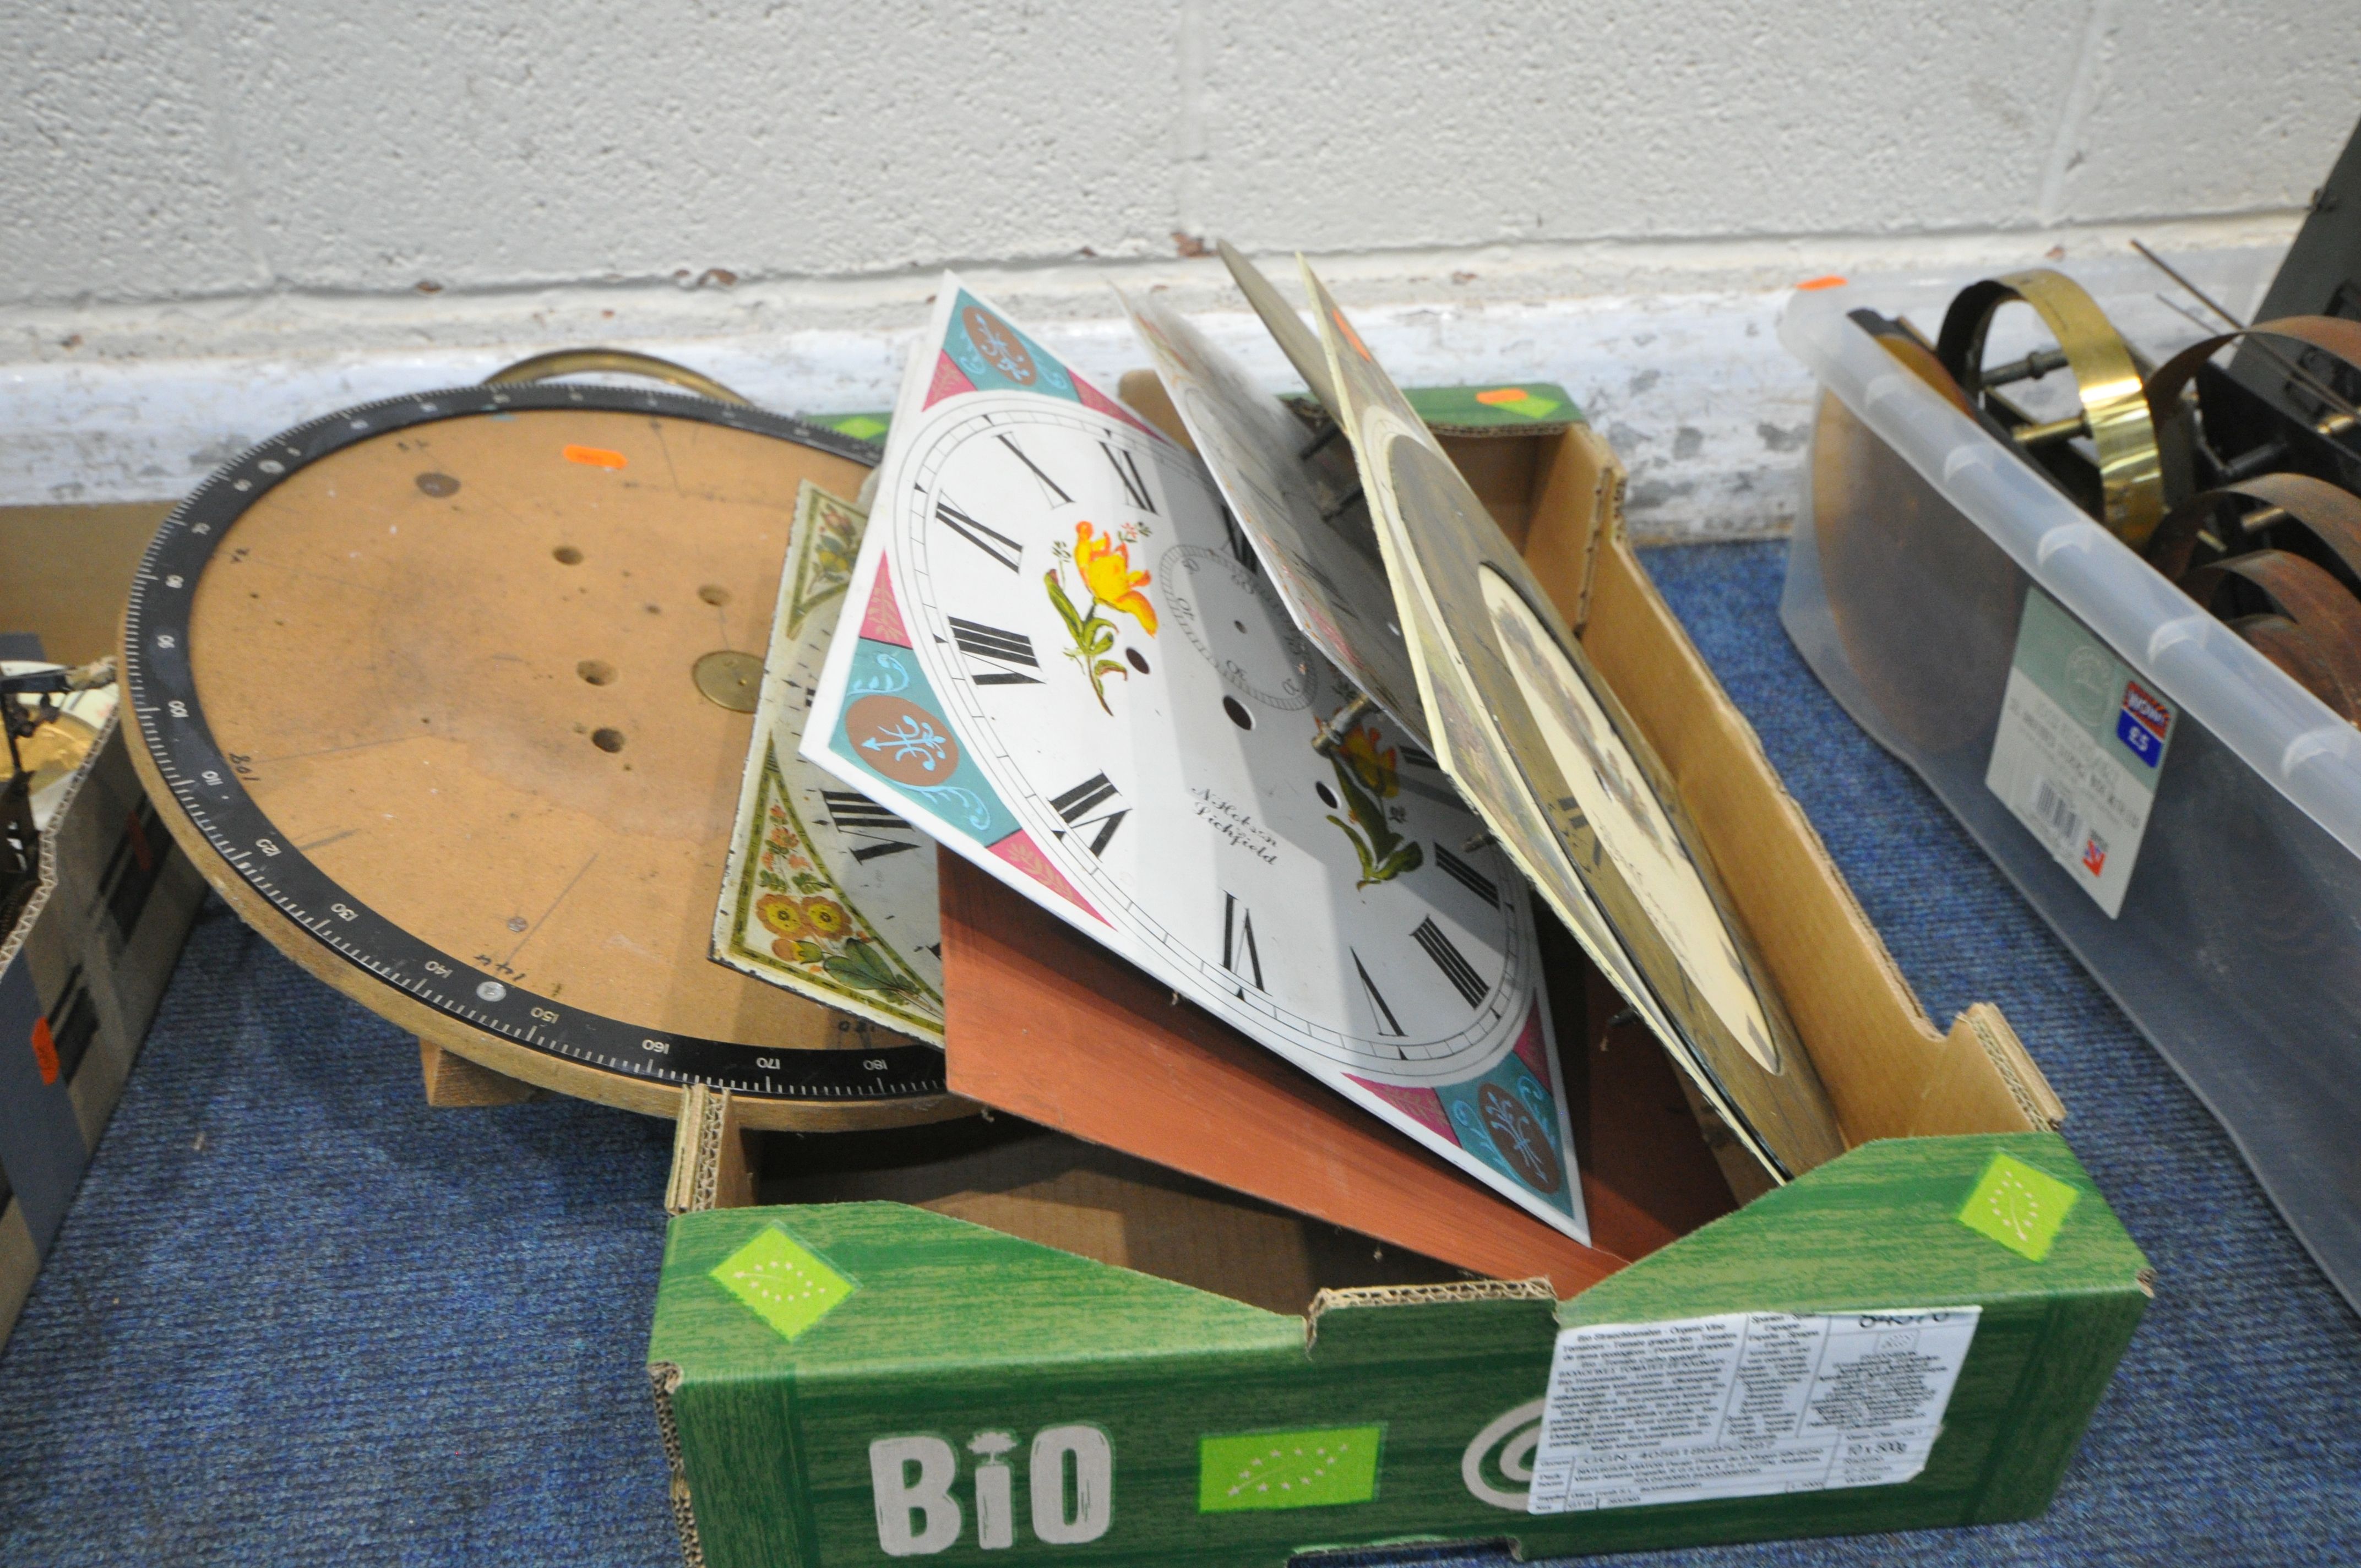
(1367, 775)
(1379, 770)
(1106, 572)
(1109, 583)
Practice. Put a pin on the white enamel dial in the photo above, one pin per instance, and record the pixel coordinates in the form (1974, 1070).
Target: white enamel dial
(1337, 903)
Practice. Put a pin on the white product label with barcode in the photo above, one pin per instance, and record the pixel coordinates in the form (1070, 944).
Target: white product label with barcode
(2081, 745)
(1744, 1405)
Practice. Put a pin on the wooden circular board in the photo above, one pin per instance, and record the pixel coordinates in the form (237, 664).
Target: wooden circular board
(414, 685)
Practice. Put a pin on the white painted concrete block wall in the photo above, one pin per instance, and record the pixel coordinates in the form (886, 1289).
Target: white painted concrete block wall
(212, 196)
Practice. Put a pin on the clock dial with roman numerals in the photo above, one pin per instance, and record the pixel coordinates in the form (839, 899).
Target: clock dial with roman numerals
(1055, 660)
(827, 892)
(1295, 503)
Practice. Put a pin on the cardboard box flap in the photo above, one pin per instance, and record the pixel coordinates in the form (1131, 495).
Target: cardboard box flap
(1889, 1071)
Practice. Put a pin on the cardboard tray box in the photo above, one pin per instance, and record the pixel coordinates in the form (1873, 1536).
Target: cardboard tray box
(897, 1381)
(85, 964)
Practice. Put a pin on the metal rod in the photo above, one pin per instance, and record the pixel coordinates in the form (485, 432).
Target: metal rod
(2327, 393)
(1332, 734)
(2262, 459)
(1341, 507)
(2055, 430)
(2166, 268)
(2032, 368)
(2199, 323)
(2329, 424)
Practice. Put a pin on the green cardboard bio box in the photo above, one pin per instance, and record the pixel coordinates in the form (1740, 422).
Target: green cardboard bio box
(1913, 1334)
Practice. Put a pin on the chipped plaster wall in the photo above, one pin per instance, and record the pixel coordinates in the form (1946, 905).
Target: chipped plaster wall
(223, 214)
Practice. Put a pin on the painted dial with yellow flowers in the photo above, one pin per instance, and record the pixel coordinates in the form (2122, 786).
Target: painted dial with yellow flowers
(1060, 658)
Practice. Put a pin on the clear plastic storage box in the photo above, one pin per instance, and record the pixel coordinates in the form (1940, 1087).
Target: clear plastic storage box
(2236, 946)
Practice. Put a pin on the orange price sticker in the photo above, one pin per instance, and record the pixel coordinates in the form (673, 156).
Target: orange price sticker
(596, 458)
(1498, 394)
(1830, 281)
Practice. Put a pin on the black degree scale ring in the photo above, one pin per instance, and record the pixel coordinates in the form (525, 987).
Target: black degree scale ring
(160, 692)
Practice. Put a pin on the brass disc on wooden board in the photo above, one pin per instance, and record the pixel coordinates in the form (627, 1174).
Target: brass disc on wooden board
(435, 692)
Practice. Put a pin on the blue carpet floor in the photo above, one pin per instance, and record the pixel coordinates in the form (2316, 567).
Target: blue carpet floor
(296, 1317)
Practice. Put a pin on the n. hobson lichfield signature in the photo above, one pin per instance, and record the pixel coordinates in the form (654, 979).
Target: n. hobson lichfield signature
(1238, 826)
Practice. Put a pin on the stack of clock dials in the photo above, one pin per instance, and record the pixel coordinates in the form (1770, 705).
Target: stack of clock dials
(1265, 704)
(1256, 713)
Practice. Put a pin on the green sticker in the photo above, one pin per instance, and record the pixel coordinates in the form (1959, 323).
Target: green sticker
(1318, 1468)
(864, 427)
(2017, 1206)
(787, 1285)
